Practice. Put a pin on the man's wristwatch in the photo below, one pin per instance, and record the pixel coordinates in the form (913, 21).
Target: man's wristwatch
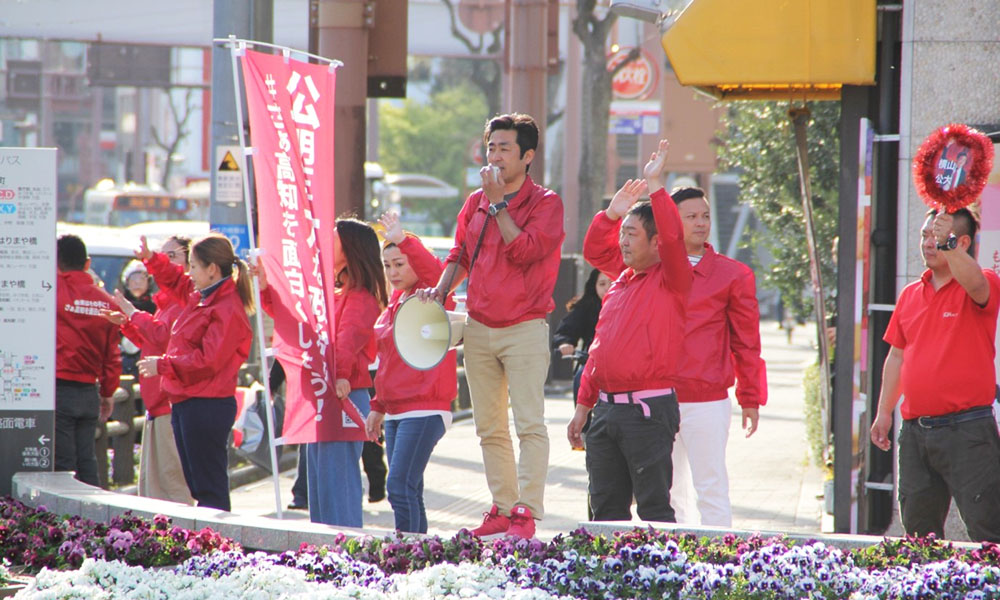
(949, 244)
(495, 208)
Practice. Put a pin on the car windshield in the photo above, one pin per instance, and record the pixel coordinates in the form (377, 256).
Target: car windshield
(109, 269)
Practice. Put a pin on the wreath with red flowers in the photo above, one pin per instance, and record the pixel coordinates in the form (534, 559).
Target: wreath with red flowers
(942, 178)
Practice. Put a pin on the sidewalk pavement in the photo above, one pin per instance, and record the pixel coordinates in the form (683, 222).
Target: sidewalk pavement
(773, 486)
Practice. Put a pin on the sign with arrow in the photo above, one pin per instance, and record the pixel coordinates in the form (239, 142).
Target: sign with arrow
(27, 312)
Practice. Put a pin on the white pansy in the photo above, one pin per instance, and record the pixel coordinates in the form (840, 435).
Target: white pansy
(113, 580)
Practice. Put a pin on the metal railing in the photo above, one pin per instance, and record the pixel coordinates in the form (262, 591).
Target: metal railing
(120, 434)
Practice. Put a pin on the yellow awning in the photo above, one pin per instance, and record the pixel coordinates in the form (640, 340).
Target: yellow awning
(773, 49)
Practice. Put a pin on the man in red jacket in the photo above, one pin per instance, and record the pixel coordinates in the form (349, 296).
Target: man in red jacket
(636, 352)
(721, 347)
(86, 354)
(508, 240)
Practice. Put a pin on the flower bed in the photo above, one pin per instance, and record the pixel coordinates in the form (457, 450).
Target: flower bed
(37, 538)
(636, 564)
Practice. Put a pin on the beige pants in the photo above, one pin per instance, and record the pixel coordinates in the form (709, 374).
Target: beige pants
(510, 361)
(160, 472)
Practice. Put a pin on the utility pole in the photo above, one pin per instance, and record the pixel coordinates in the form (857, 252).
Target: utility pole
(527, 60)
(246, 19)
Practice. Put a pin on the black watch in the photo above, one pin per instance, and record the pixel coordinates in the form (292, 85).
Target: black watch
(949, 244)
(495, 208)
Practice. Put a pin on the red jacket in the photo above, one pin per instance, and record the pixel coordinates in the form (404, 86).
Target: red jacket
(209, 341)
(511, 283)
(722, 336)
(86, 343)
(151, 333)
(641, 327)
(399, 387)
(356, 313)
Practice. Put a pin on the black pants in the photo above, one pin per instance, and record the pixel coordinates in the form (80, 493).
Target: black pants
(300, 489)
(374, 464)
(628, 454)
(78, 407)
(960, 461)
(201, 430)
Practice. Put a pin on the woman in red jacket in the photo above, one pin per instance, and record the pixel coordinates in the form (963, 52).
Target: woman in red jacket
(160, 472)
(333, 468)
(414, 405)
(208, 343)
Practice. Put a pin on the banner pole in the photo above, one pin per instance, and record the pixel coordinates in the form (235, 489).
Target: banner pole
(237, 48)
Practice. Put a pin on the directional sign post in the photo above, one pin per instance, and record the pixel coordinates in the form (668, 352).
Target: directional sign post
(27, 310)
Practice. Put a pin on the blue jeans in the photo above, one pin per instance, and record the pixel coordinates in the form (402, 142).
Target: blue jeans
(334, 474)
(409, 443)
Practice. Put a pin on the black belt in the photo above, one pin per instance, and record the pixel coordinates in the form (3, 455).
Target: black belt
(974, 414)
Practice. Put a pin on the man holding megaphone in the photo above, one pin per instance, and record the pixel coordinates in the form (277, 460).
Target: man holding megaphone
(508, 244)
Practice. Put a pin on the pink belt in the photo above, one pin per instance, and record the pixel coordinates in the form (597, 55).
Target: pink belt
(635, 397)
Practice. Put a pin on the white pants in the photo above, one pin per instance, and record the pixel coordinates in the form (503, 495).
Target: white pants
(699, 460)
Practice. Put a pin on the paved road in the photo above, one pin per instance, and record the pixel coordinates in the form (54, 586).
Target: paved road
(773, 485)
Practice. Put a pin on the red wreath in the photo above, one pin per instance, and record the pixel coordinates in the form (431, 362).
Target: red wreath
(980, 151)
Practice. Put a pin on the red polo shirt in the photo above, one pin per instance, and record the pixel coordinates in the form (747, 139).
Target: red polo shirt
(511, 283)
(947, 343)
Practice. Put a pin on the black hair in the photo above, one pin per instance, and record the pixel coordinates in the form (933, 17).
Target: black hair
(364, 258)
(644, 212)
(686, 193)
(589, 295)
(964, 223)
(71, 253)
(524, 125)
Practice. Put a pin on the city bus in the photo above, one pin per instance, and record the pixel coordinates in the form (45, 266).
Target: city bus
(108, 204)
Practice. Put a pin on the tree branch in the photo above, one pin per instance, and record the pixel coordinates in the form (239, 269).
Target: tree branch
(632, 55)
(455, 31)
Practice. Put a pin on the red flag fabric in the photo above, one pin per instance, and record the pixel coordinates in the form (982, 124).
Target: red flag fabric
(290, 109)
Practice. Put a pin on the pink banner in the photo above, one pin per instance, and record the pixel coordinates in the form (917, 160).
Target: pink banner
(290, 109)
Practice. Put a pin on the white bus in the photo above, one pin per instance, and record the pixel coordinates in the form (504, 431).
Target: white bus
(107, 204)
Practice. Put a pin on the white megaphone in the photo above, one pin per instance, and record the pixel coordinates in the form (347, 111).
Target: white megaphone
(424, 332)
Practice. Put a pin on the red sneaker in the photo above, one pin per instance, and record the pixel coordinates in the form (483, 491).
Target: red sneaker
(493, 523)
(522, 524)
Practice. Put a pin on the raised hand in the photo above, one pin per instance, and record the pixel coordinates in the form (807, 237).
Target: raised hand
(942, 226)
(393, 230)
(655, 169)
(256, 270)
(624, 198)
(143, 252)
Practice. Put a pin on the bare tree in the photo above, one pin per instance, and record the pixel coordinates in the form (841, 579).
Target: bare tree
(180, 119)
(596, 95)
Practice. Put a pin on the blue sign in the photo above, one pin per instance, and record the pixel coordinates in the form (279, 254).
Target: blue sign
(238, 235)
(619, 125)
